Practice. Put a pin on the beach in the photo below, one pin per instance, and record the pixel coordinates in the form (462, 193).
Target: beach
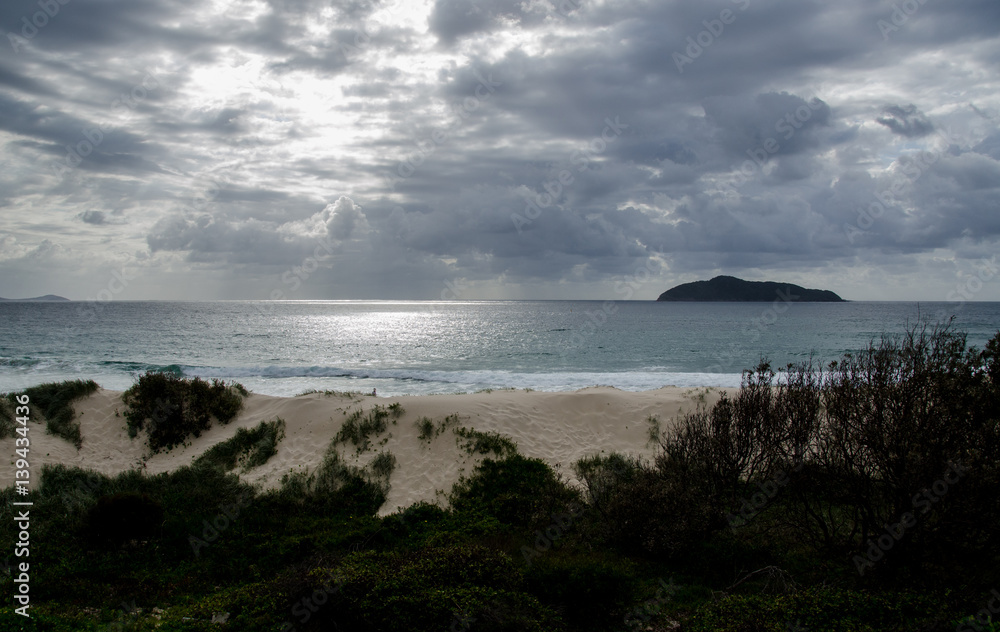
(558, 428)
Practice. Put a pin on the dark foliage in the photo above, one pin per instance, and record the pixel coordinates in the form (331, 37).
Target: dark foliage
(171, 408)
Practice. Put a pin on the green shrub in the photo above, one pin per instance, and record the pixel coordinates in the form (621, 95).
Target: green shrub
(823, 609)
(852, 448)
(644, 509)
(359, 427)
(478, 442)
(247, 448)
(55, 403)
(515, 490)
(172, 409)
(432, 590)
(383, 465)
(425, 429)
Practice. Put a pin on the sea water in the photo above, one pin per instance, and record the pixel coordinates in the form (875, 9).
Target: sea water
(414, 347)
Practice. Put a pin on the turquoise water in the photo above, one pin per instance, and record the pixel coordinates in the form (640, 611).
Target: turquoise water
(284, 348)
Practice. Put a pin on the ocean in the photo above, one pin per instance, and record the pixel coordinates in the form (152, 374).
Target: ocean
(415, 347)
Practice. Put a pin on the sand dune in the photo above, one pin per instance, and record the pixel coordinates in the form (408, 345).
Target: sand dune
(559, 428)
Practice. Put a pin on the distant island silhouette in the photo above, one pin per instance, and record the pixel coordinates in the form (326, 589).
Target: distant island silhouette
(47, 297)
(727, 288)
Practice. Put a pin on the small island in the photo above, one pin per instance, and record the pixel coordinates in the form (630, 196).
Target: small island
(46, 298)
(727, 288)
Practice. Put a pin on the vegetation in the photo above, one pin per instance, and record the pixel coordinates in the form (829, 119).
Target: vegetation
(247, 448)
(752, 517)
(171, 408)
(359, 427)
(477, 442)
(54, 402)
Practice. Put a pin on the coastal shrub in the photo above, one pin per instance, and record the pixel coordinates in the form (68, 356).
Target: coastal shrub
(247, 448)
(906, 430)
(171, 408)
(124, 517)
(382, 465)
(645, 509)
(359, 427)
(434, 589)
(478, 442)
(425, 429)
(589, 591)
(54, 401)
(824, 609)
(336, 486)
(515, 490)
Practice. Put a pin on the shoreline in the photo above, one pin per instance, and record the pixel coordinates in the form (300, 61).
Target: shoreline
(558, 427)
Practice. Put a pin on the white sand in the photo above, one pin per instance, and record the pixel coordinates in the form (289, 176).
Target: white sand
(559, 428)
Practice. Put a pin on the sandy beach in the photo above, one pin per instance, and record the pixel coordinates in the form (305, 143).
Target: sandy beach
(559, 428)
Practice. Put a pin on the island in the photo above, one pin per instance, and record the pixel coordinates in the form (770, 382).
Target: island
(46, 298)
(727, 288)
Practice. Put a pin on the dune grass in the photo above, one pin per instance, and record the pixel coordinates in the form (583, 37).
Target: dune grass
(247, 449)
(54, 402)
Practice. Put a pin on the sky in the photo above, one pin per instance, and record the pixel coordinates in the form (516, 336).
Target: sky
(497, 149)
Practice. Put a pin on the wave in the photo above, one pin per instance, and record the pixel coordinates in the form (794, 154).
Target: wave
(282, 380)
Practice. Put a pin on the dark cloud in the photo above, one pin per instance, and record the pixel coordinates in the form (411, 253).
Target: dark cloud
(906, 121)
(514, 144)
(94, 217)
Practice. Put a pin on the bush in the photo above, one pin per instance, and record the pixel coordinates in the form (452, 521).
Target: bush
(247, 448)
(590, 593)
(171, 408)
(847, 451)
(478, 442)
(516, 491)
(358, 428)
(643, 509)
(461, 587)
(55, 402)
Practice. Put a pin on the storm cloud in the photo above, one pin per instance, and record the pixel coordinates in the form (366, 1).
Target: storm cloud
(540, 149)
